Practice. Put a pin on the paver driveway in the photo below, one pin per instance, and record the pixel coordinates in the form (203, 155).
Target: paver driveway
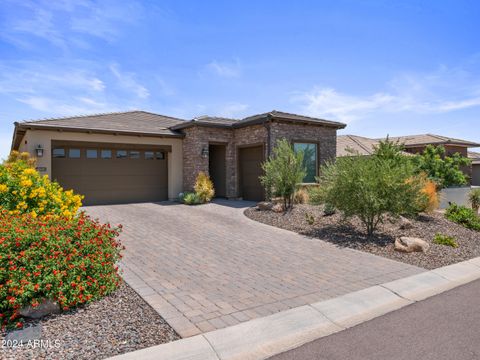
(207, 267)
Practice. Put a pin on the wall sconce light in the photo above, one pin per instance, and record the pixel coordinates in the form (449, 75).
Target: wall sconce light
(205, 152)
(39, 150)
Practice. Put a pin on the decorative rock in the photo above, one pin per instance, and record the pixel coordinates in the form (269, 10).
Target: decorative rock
(278, 208)
(25, 335)
(411, 244)
(45, 308)
(405, 224)
(264, 206)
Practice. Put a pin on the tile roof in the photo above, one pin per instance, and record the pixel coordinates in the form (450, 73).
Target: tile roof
(141, 122)
(206, 120)
(259, 118)
(474, 156)
(352, 144)
(425, 139)
(292, 117)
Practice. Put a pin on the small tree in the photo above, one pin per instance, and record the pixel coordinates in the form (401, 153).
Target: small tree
(444, 170)
(371, 187)
(283, 172)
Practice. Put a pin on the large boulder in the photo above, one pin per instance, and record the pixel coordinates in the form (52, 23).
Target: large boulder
(46, 307)
(404, 223)
(411, 244)
(278, 208)
(264, 206)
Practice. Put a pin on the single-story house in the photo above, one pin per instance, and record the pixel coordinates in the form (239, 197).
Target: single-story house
(414, 144)
(138, 156)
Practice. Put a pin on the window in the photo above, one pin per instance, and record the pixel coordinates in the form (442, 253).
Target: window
(58, 153)
(106, 154)
(135, 154)
(121, 154)
(74, 153)
(149, 155)
(309, 160)
(92, 153)
(159, 155)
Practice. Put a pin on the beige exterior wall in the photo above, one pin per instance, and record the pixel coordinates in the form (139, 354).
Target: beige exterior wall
(33, 138)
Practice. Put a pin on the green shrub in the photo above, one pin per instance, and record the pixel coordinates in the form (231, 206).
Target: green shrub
(445, 240)
(309, 218)
(371, 187)
(329, 209)
(204, 187)
(191, 198)
(284, 171)
(444, 170)
(24, 190)
(474, 198)
(68, 260)
(315, 196)
(463, 216)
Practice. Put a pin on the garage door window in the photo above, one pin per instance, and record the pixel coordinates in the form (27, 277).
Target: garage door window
(106, 154)
(74, 153)
(309, 160)
(92, 153)
(121, 154)
(149, 155)
(159, 155)
(134, 154)
(58, 153)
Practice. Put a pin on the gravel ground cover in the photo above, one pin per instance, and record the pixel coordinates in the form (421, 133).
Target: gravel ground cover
(351, 233)
(119, 323)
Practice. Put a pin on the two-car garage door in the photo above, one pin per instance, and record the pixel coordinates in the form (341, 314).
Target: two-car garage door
(111, 173)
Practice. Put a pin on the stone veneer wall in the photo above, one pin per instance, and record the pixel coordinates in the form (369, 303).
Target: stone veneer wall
(197, 138)
(326, 137)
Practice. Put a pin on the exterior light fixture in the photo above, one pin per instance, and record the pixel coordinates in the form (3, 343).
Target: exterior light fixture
(205, 152)
(39, 150)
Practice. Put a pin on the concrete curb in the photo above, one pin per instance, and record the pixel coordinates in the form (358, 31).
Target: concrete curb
(265, 337)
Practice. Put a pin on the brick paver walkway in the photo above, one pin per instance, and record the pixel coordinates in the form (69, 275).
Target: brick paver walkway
(207, 267)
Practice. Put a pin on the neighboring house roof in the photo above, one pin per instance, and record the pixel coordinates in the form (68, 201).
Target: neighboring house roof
(353, 144)
(474, 156)
(346, 144)
(426, 139)
(257, 119)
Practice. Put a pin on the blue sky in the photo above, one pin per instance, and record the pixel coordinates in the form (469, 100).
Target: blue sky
(396, 67)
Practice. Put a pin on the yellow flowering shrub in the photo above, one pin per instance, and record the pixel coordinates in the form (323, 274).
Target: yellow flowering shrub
(24, 190)
(204, 187)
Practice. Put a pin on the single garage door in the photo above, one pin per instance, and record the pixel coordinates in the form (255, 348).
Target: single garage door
(250, 166)
(111, 173)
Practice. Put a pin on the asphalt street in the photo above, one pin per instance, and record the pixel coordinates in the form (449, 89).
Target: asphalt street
(446, 326)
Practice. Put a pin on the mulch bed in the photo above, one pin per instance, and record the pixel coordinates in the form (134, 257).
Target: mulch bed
(351, 234)
(119, 323)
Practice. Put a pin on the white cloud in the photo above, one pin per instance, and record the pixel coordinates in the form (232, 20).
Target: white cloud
(127, 81)
(225, 69)
(442, 91)
(64, 108)
(65, 23)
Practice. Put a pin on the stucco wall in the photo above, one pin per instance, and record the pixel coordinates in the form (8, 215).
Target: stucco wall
(33, 138)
